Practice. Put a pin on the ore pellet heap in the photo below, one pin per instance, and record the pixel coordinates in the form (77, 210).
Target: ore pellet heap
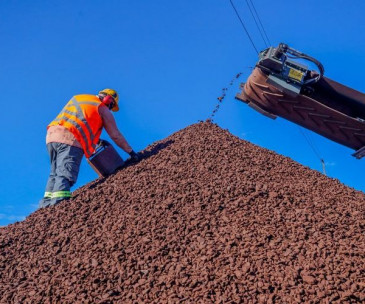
(204, 217)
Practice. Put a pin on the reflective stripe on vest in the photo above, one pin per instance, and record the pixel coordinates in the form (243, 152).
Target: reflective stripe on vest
(79, 115)
(73, 118)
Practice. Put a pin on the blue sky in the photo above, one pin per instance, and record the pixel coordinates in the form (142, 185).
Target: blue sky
(169, 60)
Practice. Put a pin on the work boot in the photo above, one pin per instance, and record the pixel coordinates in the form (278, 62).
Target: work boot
(56, 201)
(44, 202)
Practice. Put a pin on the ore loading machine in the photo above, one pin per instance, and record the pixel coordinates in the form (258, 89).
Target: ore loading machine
(280, 85)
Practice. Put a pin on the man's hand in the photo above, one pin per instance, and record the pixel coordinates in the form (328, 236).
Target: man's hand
(133, 157)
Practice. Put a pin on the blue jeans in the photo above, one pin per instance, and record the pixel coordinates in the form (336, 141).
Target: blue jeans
(65, 166)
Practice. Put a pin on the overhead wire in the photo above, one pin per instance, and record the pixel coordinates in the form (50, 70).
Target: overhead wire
(244, 27)
(257, 25)
(314, 149)
(259, 19)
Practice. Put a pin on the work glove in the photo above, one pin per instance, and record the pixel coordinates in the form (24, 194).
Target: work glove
(133, 157)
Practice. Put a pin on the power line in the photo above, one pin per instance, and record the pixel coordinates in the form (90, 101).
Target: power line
(258, 17)
(315, 150)
(244, 27)
(257, 25)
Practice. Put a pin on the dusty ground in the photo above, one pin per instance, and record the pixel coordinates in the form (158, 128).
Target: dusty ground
(204, 218)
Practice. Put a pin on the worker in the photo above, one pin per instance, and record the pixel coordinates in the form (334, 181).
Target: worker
(75, 132)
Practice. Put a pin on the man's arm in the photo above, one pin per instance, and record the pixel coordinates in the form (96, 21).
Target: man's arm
(112, 129)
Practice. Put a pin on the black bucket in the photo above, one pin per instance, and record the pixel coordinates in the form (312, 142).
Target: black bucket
(105, 160)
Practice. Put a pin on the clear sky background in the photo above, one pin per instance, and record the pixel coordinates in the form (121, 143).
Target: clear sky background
(169, 61)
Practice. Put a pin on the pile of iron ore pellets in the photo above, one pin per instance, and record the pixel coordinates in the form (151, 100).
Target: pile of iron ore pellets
(204, 217)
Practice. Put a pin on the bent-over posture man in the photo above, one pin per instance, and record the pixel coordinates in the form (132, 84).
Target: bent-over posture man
(75, 132)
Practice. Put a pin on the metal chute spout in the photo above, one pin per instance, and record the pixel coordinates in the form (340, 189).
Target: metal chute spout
(280, 86)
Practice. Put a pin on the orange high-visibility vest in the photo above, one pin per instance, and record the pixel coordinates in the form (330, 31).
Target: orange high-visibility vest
(81, 117)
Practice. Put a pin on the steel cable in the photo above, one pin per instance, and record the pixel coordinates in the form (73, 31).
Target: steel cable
(258, 17)
(314, 149)
(258, 27)
(244, 27)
